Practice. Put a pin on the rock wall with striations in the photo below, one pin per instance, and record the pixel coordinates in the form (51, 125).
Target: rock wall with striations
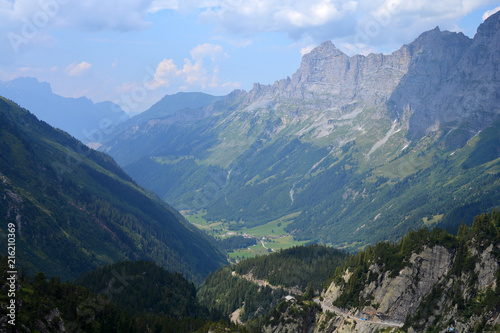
(452, 82)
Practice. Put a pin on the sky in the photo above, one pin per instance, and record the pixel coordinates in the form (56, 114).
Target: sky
(133, 52)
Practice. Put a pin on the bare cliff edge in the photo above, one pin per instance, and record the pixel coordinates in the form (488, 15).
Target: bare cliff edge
(430, 281)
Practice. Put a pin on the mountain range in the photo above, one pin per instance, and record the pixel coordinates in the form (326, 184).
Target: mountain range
(357, 149)
(367, 153)
(85, 120)
(75, 209)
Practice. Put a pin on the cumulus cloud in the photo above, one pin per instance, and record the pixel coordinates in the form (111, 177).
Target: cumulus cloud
(364, 24)
(276, 15)
(194, 73)
(75, 69)
(208, 50)
(166, 72)
(306, 49)
(490, 12)
(368, 22)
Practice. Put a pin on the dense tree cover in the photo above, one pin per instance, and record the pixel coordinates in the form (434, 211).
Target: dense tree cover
(75, 209)
(299, 266)
(303, 267)
(224, 292)
(53, 306)
(237, 242)
(141, 287)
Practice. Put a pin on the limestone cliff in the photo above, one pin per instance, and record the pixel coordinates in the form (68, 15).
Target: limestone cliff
(447, 80)
(452, 82)
(442, 282)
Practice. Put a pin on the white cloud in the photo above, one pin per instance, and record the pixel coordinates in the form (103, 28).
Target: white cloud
(212, 51)
(159, 5)
(75, 69)
(120, 15)
(306, 49)
(195, 72)
(490, 12)
(384, 22)
(29, 24)
(366, 23)
(166, 72)
(276, 15)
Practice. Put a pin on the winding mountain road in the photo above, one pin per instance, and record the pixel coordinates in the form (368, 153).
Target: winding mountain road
(345, 314)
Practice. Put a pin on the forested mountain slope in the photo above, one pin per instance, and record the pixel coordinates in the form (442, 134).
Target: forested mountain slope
(75, 209)
(134, 297)
(253, 287)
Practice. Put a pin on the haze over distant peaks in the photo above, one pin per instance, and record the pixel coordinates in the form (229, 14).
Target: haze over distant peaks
(80, 117)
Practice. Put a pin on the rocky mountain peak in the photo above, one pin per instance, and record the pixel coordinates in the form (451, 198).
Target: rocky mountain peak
(452, 82)
(427, 77)
(325, 49)
(30, 84)
(490, 27)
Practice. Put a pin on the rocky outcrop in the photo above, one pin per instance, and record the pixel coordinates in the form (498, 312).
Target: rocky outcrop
(402, 295)
(486, 268)
(443, 281)
(326, 70)
(452, 81)
(394, 297)
(51, 322)
(446, 79)
(328, 78)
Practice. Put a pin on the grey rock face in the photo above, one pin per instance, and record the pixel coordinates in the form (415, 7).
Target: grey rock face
(326, 70)
(329, 78)
(446, 79)
(486, 269)
(402, 295)
(453, 81)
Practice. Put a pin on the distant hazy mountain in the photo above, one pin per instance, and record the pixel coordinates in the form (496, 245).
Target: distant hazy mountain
(185, 107)
(80, 117)
(364, 147)
(170, 104)
(75, 209)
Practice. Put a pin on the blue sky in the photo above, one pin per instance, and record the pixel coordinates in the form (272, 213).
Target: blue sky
(133, 52)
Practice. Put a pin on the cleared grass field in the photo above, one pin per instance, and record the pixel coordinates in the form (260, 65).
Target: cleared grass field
(240, 255)
(283, 243)
(272, 234)
(435, 219)
(273, 228)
